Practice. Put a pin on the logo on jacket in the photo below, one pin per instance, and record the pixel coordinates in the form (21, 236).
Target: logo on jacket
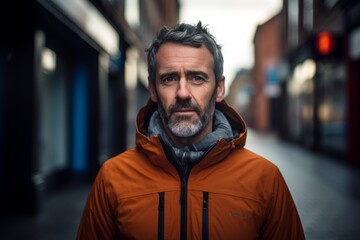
(242, 215)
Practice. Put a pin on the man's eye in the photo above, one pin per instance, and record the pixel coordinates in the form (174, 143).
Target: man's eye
(168, 80)
(197, 79)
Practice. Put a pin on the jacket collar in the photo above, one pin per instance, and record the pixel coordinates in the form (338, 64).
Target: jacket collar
(152, 145)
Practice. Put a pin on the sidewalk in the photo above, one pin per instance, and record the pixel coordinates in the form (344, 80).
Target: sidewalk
(327, 195)
(58, 219)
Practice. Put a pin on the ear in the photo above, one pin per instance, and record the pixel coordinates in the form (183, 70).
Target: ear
(220, 90)
(152, 90)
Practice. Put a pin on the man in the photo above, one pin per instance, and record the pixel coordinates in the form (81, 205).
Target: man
(189, 176)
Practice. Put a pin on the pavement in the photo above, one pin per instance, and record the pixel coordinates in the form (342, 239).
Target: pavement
(58, 218)
(325, 190)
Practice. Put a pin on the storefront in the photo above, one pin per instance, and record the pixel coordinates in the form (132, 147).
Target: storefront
(60, 59)
(316, 98)
(351, 13)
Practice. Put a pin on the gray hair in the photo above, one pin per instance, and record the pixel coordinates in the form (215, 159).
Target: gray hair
(186, 34)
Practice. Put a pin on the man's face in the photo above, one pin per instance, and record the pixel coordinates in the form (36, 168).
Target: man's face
(186, 91)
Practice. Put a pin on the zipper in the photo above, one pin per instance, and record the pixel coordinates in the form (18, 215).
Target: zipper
(205, 216)
(184, 176)
(161, 216)
(170, 155)
(183, 201)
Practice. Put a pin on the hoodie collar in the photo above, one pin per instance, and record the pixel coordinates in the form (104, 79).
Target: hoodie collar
(147, 138)
(193, 153)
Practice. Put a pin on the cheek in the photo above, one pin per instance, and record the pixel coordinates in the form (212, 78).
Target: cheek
(204, 98)
(166, 99)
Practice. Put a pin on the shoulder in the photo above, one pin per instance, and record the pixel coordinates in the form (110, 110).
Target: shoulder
(264, 171)
(256, 169)
(246, 157)
(116, 174)
(121, 164)
(130, 156)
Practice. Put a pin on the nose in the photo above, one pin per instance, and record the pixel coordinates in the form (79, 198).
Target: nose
(183, 90)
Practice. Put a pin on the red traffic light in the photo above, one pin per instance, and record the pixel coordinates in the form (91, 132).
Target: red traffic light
(325, 43)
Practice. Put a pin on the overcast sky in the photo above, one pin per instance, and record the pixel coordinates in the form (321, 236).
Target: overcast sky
(233, 23)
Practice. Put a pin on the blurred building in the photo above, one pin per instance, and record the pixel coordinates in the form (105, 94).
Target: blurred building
(306, 71)
(64, 102)
(351, 41)
(240, 93)
(267, 59)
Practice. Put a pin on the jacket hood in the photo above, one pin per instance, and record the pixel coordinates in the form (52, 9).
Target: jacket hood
(152, 145)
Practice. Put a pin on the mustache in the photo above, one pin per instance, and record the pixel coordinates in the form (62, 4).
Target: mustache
(183, 104)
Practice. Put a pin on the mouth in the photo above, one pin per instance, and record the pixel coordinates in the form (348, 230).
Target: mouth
(184, 113)
(184, 110)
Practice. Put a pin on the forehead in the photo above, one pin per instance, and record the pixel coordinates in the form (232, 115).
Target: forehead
(172, 55)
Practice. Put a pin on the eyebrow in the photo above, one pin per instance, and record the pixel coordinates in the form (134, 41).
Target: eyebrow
(166, 74)
(189, 72)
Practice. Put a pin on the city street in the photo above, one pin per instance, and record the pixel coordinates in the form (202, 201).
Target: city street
(74, 75)
(326, 193)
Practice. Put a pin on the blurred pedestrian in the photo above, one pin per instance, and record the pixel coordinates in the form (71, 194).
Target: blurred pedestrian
(189, 176)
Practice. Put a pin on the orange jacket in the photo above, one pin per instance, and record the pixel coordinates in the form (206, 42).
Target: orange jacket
(232, 193)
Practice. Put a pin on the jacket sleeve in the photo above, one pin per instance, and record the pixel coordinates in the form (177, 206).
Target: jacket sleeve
(283, 221)
(98, 219)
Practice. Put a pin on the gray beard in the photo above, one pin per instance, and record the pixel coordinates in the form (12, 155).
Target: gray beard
(180, 127)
